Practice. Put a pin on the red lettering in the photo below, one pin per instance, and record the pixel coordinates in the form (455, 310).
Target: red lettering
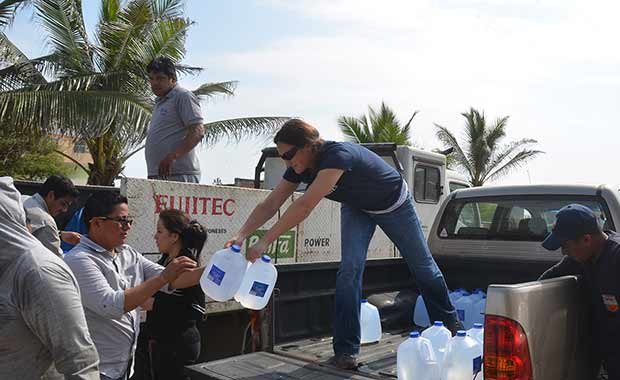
(226, 210)
(204, 204)
(159, 204)
(216, 204)
(187, 205)
(194, 210)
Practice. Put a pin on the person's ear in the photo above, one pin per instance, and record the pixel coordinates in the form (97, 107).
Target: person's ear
(51, 196)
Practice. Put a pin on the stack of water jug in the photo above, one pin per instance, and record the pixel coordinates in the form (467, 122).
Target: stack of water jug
(229, 275)
(435, 354)
(470, 308)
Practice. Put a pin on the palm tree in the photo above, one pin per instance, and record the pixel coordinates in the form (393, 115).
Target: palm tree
(382, 126)
(482, 157)
(97, 91)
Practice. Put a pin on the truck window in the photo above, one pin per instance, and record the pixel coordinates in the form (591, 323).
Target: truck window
(528, 218)
(426, 184)
(457, 186)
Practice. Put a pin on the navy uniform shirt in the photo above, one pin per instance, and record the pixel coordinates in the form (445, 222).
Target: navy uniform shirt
(368, 182)
(602, 278)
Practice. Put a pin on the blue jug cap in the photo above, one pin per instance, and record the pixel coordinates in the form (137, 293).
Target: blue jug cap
(364, 300)
(414, 334)
(461, 333)
(438, 323)
(266, 258)
(478, 325)
(235, 248)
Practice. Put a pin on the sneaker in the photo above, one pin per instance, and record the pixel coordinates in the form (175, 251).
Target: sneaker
(343, 361)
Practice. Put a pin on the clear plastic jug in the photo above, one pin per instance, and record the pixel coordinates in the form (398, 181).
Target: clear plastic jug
(420, 313)
(258, 284)
(477, 332)
(439, 336)
(465, 310)
(370, 323)
(463, 360)
(415, 359)
(224, 273)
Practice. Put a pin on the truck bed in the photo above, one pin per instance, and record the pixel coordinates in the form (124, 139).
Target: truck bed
(304, 359)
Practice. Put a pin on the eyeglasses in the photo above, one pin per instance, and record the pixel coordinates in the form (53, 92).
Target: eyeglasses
(288, 155)
(117, 219)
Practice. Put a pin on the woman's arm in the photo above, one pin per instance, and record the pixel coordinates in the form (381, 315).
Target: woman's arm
(265, 210)
(299, 210)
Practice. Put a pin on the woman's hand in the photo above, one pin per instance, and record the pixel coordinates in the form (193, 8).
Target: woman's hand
(256, 251)
(234, 241)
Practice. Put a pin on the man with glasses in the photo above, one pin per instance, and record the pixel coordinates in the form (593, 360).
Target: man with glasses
(54, 197)
(115, 280)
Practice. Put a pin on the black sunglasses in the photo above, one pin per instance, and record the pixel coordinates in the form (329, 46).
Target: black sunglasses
(288, 155)
(120, 220)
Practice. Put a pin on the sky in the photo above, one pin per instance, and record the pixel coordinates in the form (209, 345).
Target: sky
(552, 66)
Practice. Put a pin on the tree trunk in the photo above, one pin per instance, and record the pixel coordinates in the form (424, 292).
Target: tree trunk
(107, 161)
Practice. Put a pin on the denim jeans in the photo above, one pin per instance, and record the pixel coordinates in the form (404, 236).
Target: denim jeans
(402, 226)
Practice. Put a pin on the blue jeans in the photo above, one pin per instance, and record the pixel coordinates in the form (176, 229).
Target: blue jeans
(403, 228)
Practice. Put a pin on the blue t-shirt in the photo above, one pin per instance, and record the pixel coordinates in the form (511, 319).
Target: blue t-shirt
(368, 182)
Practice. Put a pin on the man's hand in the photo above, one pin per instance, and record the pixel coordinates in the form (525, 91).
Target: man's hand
(69, 237)
(165, 166)
(256, 251)
(176, 267)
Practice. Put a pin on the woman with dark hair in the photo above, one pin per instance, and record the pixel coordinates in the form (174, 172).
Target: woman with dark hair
(173, 338)
(372, 193)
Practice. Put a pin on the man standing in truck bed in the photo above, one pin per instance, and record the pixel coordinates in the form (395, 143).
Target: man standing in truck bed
(596, 255)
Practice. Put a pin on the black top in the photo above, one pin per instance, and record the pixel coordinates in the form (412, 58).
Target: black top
(368, 182)
(174, 310)
(602, 278)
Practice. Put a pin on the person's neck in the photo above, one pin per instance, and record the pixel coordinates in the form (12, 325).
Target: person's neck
(170, 89)
(100, 242)
(174, 252)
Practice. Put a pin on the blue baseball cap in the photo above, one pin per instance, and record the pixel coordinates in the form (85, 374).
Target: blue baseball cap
(571, 222)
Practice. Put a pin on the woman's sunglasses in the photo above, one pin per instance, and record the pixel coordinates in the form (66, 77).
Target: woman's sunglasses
(288, 155)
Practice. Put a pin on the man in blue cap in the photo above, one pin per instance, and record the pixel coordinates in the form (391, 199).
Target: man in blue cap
(595, 255)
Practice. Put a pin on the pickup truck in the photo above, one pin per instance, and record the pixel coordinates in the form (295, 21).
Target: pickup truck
(485, 237)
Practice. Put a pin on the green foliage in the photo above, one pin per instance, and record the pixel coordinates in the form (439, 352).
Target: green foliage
(377, 127)
(29, 158)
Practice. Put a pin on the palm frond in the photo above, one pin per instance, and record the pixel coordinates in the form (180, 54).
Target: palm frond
(515, 162)
(501, 155)
(166, 38)
(8, 10)
(210, 90)
(78, 113)
(110, 10)
(449, 141)
(67, 36)
(167, 9)
(353, 130)
(237, 129)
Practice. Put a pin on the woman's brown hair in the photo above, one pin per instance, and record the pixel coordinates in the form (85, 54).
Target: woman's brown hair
(192, 234)
(298, 133)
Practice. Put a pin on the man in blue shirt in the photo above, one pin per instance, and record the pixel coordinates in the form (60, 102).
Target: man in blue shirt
(595, 255)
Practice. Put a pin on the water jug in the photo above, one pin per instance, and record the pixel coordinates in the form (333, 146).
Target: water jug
(465, 310)
(480, 309)
(415, 359)
(258, 284)
(236, 297)
(439, 336)
(456, 294)
(477, 332)
(463, 360)
(478, 294)
(224, 273)
(370, 323)
(420, 314)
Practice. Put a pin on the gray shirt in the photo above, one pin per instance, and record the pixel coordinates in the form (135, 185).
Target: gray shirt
(43, 224)
(41, 317)
(172, 115)
(103, 279)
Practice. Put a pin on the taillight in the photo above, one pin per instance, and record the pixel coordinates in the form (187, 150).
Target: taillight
(506, 353)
